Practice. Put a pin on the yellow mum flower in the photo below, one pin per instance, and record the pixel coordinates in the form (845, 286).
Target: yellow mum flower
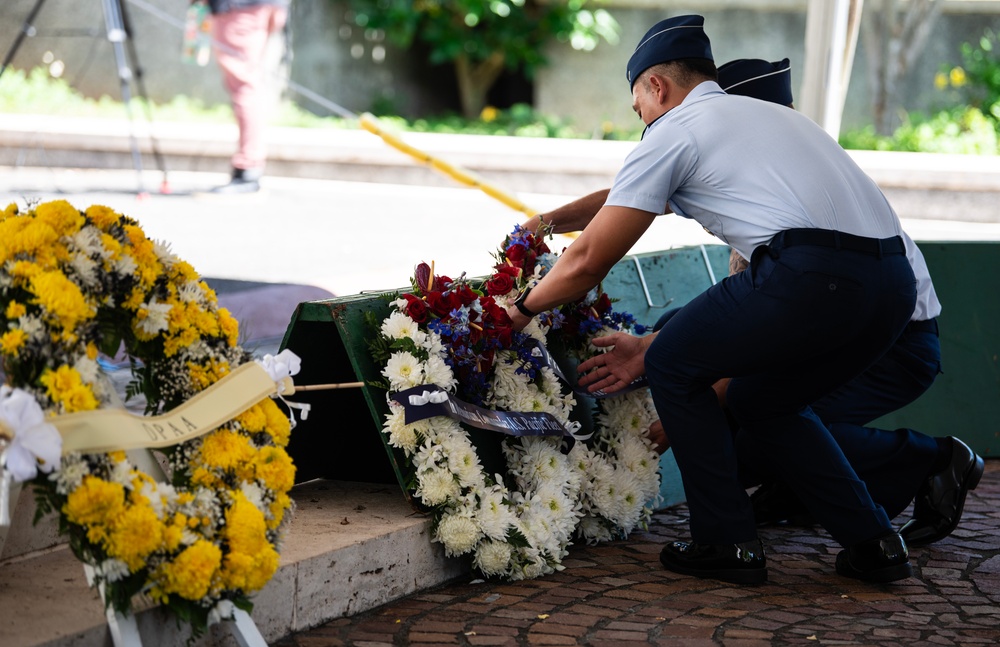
(29, 237)
(136, 299)
(96, 501)
(134, 535)
(12, 341)
(253, 419)
(61, 299)
(278, 424)
(191, 574)
(175, 343)
(183, 272)
(252, 559)
(275, 468)
(65, 387)
(15, 310)
(205, 375)
(205, 478)
(225, 449)
(102, 217)
(277, 508)
(229, 326)
(11, 210)
(63, 217)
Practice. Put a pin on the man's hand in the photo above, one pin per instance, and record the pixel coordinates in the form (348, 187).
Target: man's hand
(517, 320)
(619, 367)
(659, 437)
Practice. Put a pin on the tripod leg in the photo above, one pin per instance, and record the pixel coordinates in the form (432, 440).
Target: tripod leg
(116, 36)
(27, 29)
(140, 85)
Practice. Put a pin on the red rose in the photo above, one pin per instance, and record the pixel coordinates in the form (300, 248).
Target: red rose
(508, 269)
(438, 304)
(415, 309)
(515, 253)
(499, 284)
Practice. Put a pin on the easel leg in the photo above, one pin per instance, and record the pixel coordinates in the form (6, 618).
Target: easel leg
(27, 29)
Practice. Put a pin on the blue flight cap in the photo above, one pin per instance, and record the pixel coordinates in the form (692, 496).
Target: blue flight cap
(759, 79)
(669, 40)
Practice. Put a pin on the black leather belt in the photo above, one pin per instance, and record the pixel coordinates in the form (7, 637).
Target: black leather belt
(927, 325)
(839, 240)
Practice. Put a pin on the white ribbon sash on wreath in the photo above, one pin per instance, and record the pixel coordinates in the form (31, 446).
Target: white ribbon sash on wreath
(106, 430)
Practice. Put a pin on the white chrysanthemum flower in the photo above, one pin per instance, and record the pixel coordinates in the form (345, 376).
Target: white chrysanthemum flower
(464, 464)
(436, 486)
(88, 369)
(121, 472)
(87, 241)
(403, 371)
(399, 326)
(154, 317)
(255, 495)
(437, 371)
(458, 533)
(125, 265)
(493, 557)
(223, 610)
(163, 252)
(111, 570)
(33, 327)
(85, 269)
(433, 345)
(160, 496)
(593, 529)
(494, 516)
(192, 292)
(401, 435)
(70, 474)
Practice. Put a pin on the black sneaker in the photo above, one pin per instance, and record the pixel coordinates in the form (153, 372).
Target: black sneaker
(242, 181)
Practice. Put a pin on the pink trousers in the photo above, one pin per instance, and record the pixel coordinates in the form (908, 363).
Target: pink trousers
(241, 39)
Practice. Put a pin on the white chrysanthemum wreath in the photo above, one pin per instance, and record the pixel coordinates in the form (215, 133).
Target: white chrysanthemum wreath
(455, 335)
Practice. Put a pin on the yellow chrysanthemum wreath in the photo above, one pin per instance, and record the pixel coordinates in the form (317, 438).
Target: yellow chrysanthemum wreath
(75, 284)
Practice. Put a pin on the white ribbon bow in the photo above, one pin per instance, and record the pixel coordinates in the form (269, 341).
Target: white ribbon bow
(279, 367)
(434, 397)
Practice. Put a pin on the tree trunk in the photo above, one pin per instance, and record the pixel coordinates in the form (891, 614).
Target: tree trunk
(475, 81)
(893, 40)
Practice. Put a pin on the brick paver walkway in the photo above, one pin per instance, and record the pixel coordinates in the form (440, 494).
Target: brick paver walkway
(617, 594)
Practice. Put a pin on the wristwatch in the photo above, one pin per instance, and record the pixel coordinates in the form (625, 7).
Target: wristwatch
(519, 304)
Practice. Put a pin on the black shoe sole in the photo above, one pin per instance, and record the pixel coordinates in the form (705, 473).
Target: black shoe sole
(969, 483)
(878, 576)
(750, 577)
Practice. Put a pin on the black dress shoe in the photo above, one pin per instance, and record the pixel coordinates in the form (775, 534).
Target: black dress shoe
(882, 559)
(736, 563)
(775, 503)
(940, 501)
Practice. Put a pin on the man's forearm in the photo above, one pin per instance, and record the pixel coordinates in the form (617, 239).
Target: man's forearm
(573, 216)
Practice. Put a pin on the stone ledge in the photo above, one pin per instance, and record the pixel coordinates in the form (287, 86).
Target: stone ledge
(350, 547)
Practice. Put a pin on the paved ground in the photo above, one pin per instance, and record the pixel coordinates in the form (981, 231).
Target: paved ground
(617, 594)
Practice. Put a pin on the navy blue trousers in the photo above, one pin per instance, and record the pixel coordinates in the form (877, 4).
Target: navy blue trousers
(801, 322)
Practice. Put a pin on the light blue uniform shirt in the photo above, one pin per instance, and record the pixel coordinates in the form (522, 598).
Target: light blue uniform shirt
(747, 169)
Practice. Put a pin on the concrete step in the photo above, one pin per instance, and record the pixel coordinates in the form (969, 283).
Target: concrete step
(350, 547)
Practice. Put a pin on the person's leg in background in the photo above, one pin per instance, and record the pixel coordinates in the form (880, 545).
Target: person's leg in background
(241, 38)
